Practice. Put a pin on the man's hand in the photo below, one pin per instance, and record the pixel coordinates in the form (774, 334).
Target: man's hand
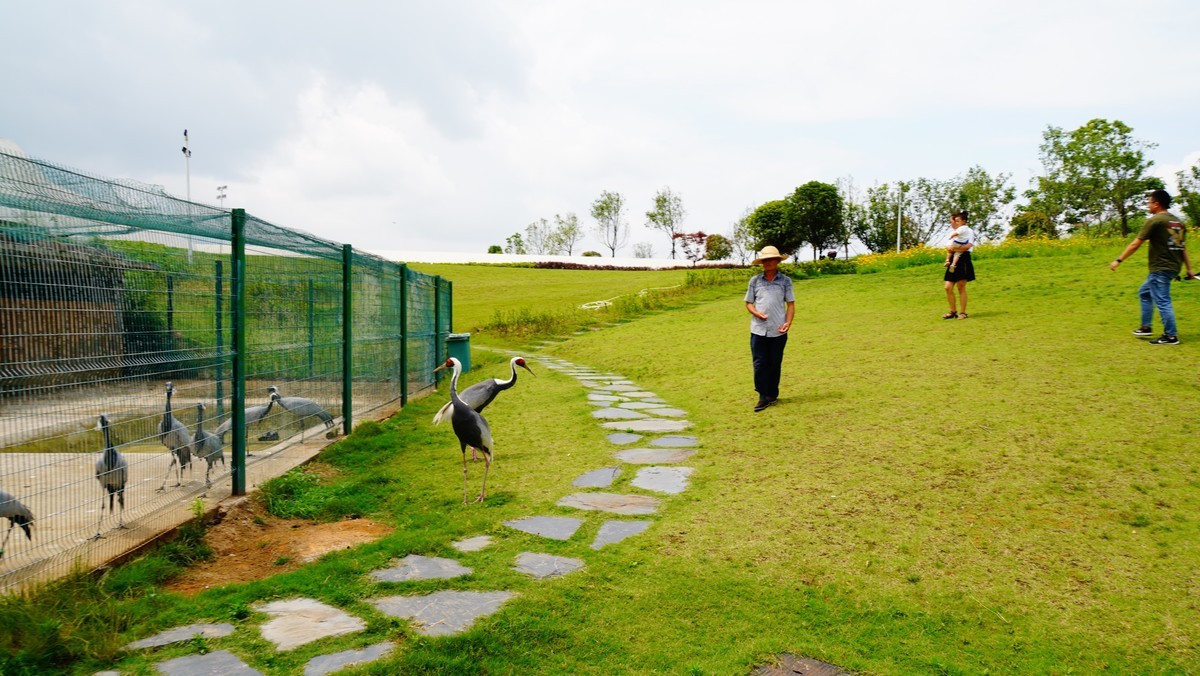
(1114, 265)
(783, 328)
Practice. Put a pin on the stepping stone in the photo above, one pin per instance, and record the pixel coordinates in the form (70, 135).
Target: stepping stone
(635, 405)
(183, 634)
(667, 412)
(300, 621)
(612, 502)
(674, 442)
(221, 662)
(589, 383)
(670, 480)
(620, 388)
(623, 437)
(786, 665)
(617, 414)
(417, 567)
(655, 400)
(605, 397)
(649, 425)
(654, 456)
(612, 532)
(445, 612)
(542, 566)
(327, 664)
(643, 395)
(553, 527)
(597, 478)
(473, 544)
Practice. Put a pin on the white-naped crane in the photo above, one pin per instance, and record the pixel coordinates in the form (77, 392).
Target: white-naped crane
(301, 407)
(174, 435)
(470, 428)
(207, 445)
(112, 471)
(253, 414)
(484, 392)
(17, 514)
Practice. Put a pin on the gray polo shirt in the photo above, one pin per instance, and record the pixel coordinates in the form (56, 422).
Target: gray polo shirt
(771, 298)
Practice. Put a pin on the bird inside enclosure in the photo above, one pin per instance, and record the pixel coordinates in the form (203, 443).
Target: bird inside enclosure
(470, 428)
(18, 515)
(207, 445)
(174, 435)
(301, 407)
(479, 395)
(112, 471)
(253, 415)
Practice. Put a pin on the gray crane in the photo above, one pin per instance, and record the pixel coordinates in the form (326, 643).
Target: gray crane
(174, 435)
(301, 407)
(470, 428)
(112, 471)
(253, 414)
(482, 393)
(207, 445)
(17, 515)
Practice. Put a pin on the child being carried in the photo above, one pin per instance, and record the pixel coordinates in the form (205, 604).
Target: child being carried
(960, 240)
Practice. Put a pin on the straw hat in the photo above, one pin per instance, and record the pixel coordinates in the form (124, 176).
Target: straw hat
(769, 252)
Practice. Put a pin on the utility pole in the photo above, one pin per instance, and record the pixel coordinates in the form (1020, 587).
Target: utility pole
(187, 166)
(899, 213)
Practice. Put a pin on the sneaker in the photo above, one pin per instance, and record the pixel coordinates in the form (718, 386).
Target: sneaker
(761, 405)
(1143, 332)
(1164, 339)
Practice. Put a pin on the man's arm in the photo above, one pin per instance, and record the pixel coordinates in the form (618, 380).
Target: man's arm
(754, 311)
(1133, 246)
(787, 322)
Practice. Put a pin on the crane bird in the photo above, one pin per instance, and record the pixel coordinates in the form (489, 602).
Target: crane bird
(17, 515)
(253, 415)
(470, 428)
(207, 445)
(301, 407)
(112, 471)
(174, 435)
(479, 395)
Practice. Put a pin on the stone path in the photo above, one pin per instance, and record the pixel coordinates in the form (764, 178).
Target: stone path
(633, 415)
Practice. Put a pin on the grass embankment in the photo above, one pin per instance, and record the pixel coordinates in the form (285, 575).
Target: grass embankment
(1011, 493)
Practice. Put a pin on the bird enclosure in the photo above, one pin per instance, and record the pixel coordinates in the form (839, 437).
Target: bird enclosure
(187, 344)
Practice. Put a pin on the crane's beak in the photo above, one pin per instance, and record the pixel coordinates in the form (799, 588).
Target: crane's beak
(440, 368)
(529, 369)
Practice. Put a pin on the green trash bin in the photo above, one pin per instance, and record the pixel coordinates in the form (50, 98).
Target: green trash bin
(458, 345)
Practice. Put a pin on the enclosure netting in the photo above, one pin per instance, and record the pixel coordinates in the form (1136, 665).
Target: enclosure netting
(117, 316)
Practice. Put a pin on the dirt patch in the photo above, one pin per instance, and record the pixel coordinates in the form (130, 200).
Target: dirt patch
(250, 544)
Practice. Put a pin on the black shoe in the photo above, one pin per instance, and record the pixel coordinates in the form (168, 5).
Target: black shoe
(762, 404)
(1164, 339)
(1143, 332)
(772, 400)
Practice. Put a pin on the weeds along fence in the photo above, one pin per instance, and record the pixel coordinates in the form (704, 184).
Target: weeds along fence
(199, 344)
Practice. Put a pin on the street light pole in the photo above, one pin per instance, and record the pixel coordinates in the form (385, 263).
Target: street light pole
(899, 213)
(221, 194)
(187, 166)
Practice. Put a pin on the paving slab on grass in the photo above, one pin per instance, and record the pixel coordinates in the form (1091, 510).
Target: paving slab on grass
(619, 388)
(643, 395)
(649, 425)
(220, 663)
(553, 527)
(618, 414)
(542, 566)
(298, 621)
(787, 665)
(612, 502)
(670, 480)
(654, 456)
(473, 544)
(183, 634)
(417, 567)
(445, 612)
(606, 397)
(666, 412)
(612, 532)
(636, 405)
(597, 478)
(327, 664)
(623, 437)
(679, 441)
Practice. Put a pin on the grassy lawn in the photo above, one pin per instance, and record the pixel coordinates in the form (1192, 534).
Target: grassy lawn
(1012, 493)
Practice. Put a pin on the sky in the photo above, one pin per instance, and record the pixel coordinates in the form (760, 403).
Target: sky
(428, 126)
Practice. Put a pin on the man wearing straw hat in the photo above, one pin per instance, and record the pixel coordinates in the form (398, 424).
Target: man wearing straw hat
(769, 298)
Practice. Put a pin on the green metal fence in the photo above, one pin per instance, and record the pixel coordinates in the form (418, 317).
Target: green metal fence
(200, 344)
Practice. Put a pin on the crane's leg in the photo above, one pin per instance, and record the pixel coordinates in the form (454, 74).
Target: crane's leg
(100, 521)
(121, 499)
(4, 546)
(163, 487)
(487, 464)
(464, 456)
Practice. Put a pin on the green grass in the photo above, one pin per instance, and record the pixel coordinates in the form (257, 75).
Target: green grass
(1013, 493)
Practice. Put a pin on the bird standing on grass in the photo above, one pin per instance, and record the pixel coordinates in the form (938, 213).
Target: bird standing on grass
(470, 428)
(17, 515)
(479, 395)
(174, 435)
(207, 445)
(301, 407)
(112, 471)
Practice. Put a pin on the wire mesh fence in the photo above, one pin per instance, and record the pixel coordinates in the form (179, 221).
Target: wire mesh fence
(154, 350)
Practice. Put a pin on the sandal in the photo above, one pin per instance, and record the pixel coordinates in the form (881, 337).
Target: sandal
(962, 316)
(950, 315)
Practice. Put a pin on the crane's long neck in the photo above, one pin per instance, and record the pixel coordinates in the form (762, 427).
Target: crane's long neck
(199, 419)
(108, 447)
(512, 379)
(454, 386)
(167, 411)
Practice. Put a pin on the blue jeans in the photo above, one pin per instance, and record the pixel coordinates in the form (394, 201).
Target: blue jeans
(768, 363)
(1156, 293)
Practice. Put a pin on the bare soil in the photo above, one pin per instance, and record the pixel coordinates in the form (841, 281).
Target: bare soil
(250, 544)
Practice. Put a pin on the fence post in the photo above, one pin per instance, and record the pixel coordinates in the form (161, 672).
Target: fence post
(403, 335)
(219, 269)
(347, 337)
(449, 308)
(312, 339)
(437, 322)
(238, 465)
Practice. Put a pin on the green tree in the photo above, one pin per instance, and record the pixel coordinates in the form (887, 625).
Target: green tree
(495, 249)
(985, 199)
(1188, 193)
(667, 215)
(815, 212)
(742, 240)
(717, 248)
(876, 228)
(643, 250)
(611, 228)
(853, 211)
(768, 225)
(567, 233)
(1032, 223)
(514, 244)
(539, 238)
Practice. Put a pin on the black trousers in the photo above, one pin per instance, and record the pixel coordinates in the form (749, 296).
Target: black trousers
(768, 362)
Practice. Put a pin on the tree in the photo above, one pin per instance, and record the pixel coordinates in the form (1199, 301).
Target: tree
(717, 248)
(815, 212)
(495, 249)
(877, 227)
(539, 239)
(667, 215)
(643, 250)
(513, 244)
(985, 199)
(1188, 193)
(742, 240)
(853, 211)
(692, 244)
(1033, 223)
(567, 232)
(611, 228)
(768, 225)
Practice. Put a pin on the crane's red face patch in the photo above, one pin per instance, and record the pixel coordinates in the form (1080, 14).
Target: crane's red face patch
(520, 362)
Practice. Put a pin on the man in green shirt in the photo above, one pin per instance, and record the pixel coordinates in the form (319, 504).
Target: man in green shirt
(1168, 254)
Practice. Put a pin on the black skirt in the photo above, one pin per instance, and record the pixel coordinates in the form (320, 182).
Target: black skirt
(963, 272)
